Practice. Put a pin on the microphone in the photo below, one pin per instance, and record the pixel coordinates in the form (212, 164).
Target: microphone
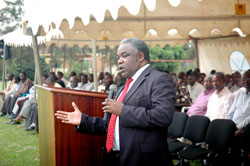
(112, 92)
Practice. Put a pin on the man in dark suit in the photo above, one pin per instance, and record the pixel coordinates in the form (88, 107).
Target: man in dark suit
(140, 118)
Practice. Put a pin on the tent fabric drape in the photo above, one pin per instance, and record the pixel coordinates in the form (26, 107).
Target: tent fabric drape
(215, 53)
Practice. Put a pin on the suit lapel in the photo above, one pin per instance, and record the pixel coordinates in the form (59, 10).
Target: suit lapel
(137, 84)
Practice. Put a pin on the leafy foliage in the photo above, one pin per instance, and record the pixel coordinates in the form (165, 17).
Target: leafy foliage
(10, 16)
(167, 53)
(23, 60)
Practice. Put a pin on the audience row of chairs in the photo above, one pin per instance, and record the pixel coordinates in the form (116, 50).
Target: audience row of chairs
(207, 141)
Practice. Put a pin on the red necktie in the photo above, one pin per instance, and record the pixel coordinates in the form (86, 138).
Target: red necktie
(111, 126)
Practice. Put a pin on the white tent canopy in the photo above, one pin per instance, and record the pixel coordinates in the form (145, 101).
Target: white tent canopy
(110, 21)
(18, 38)
(191, 18)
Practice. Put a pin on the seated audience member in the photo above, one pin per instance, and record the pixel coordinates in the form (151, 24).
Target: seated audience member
(19, 104)
(51, 82)
(212, 72)
(228, 81)
(60, 77)
(79, 76)
(44, 78)
(200, 105)
(194, 88)
(182, 95)
(61, 83)
(182, 79)
(173, 75)
(90, 85)
(187, 74)
(197, 70)
(24, 86)
(107, 81)
(101, 87)
(30, 105)
(70, 75)
(15, 88)
(100, 78)
(9, 90)
(240, 109)
(52, 73)
(236, 83)
(119, 80)
(73, 83)
(201, 78)
(58, 81)
(240, 114)
(83, 82)
(221, 100)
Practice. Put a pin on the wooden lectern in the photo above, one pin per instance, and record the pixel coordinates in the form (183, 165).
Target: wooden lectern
(60, 144)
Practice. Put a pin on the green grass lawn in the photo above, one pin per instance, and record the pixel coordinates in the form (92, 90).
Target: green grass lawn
(17, 147)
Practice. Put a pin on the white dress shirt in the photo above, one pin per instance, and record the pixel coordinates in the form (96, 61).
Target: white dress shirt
(195, 90)
(116, 146)
(219, 104)
(89, 86)
(240, 109)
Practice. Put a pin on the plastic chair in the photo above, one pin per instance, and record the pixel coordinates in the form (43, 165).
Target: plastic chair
(219, 134)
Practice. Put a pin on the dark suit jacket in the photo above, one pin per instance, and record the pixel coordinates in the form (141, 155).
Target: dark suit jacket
(147, 112)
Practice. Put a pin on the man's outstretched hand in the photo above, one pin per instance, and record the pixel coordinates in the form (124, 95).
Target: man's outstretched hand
(70, 117)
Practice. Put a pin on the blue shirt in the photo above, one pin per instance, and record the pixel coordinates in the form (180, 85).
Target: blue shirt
(240, 109)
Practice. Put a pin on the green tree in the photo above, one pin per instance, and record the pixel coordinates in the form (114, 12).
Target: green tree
(23, 60)
(84, 64)
(10, 16)
(73, 56)
(190, 52)
(167, 53)
(108, 56)
(57, 58)
(52, 50)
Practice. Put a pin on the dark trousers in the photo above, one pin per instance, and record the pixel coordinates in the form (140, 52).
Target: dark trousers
(111, 159)
(9, 104)
(6, 104)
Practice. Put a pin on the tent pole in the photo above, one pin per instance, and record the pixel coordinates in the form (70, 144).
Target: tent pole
(94, 67)
(4, 66)
(196, 52)
(38, 71)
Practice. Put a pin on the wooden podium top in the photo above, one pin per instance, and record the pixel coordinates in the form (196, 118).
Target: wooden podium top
(73, 91)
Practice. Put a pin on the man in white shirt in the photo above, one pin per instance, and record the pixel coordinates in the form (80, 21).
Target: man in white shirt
(90, 85)
(60, 77)
(194, 87)
(221, 100)
(240, 109)
(83, 82)
(73, 83)
(240, 114)
(9, 90)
